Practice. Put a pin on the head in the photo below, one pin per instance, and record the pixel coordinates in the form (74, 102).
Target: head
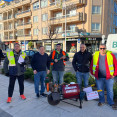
(82, 47)
(58, 47)
(17, 47)
(102, 49)
(41, 49)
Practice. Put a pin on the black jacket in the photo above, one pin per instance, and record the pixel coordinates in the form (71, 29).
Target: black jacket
(40, 62)
(1, 54)
(81, 61)
(17, 70)
(59, 66)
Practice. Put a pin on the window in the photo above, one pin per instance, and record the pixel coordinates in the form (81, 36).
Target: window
(20, 32)
(44, 3)
(0, 16)
(35, 31)
(44, 30)
(96, 10)
(44, 17)
(58, 15)
(72, 28)
(36, 5)
(71, 12)
(0, 26)
(35, 19)
(95, 27)
(113, 30)
(58, 29)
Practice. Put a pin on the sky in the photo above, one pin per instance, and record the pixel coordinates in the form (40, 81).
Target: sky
(7, 0)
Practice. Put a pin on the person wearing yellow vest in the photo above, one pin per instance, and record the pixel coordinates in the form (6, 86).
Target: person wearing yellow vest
(16, 61)
(104, 68)
(58, 58)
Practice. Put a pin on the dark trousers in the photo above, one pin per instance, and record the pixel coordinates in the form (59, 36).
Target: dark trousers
(12, 84)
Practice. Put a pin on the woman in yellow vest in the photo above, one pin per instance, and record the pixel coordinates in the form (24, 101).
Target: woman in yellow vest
(104, 68)
(16, 60)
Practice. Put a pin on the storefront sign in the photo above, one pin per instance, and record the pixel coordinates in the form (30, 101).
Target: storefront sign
(114, 44)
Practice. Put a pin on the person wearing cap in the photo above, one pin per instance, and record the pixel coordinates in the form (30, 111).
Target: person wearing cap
(16, 60)
(58, 59)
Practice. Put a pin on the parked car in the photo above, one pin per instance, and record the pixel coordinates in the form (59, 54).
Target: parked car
(30, 54)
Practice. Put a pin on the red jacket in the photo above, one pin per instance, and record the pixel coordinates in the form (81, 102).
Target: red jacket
(108, 76)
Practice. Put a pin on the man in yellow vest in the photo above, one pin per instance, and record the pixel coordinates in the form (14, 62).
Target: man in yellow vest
(104, 68)
(16, 60)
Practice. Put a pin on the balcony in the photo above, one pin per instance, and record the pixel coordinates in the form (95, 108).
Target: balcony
(24, 37)
(78, 17)
(68, 2)
(24, 25)
(24, 14)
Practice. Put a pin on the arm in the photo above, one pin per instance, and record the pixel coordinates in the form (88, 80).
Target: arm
(90, 58)
(74, 63)
(67, 57)
(48, 62)
(5, 65)
(33, 63)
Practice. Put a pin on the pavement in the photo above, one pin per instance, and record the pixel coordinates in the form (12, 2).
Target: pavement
(34, 107)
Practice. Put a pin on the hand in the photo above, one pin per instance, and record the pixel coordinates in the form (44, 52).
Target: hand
(112, 77)
(56, 60)
(48, 71)
(35, 72)
(63, 57)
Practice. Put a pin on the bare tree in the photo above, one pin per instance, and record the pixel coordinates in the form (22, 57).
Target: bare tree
(52, 31)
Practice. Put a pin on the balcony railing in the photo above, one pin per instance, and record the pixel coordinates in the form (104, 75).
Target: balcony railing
(26, 35)
(23, 12)
(21, 24)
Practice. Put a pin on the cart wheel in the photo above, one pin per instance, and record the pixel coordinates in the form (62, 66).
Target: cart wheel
(51, 101)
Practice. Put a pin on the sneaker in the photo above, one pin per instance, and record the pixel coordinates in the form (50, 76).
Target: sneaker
(38, 95)
(114, 107)
(22, 97)
(9, 100)
(43, 94)
(100, 104)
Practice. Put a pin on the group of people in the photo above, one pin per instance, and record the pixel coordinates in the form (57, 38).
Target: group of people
(102, 65)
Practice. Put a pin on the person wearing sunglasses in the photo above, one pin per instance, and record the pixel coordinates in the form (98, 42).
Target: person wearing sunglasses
(104, 68)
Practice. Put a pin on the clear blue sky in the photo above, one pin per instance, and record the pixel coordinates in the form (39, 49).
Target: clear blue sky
(7, 0)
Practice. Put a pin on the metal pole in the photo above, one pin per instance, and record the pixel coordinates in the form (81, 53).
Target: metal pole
(24, 36)
(65, 27)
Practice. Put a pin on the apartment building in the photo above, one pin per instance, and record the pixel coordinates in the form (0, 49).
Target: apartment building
(48, 22)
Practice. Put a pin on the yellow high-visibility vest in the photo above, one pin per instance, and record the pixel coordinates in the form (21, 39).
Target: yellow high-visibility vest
(109, 61)
(11, 58)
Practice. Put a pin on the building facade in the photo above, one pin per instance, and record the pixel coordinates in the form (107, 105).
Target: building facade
(48, 22)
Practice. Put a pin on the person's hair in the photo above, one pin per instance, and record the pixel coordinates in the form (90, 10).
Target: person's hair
(16, 44)
(40, 47)
(58, 44)
(102, 44)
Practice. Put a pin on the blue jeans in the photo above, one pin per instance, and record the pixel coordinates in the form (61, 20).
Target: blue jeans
(101, 83)
(40, 76)
(85, 76)
(58, 76)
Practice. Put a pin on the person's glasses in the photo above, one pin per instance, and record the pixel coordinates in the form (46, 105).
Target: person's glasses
(102, 48)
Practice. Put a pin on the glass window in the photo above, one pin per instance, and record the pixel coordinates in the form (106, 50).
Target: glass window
(95, 27)
(58, 15)
(96, 10)
(44, 30)
(35, 19)
(36, 5)
(32, 53)
(0, 16)
(71, 46)
(59, 29)
(72, 12)
(35, 31)
(44, 17)
(72, 28)
(44, 3)
(27, 53)
(0, 26)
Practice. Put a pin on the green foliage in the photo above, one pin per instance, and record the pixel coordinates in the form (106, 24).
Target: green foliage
(29, 74)
(30, 45)
(91, 81)
(115, 90)
(69, 77)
